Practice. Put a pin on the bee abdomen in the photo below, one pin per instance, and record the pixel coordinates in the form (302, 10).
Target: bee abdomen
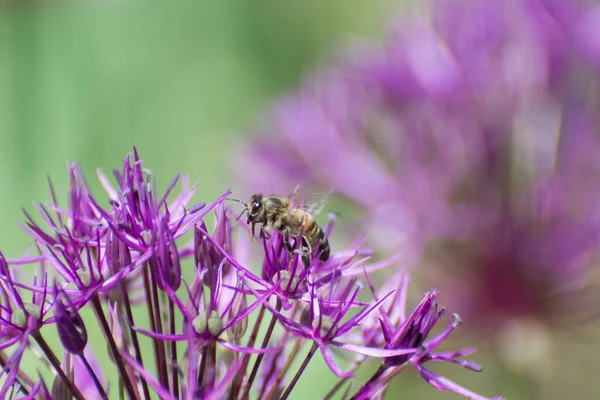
(323, 243)
(324, 248)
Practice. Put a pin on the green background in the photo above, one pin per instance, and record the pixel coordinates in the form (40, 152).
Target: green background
(184, 82)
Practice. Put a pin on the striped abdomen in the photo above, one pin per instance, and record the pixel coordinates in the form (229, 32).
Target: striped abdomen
(315, 235)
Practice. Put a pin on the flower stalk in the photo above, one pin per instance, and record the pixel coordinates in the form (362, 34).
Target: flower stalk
(124, 376)
(298, 374)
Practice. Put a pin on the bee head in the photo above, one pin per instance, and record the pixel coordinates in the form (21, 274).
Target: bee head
(255, 207)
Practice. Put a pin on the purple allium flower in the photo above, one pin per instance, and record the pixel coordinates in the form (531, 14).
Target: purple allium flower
(414, 331)
(394, 329)
(470, 139)
(126, 263)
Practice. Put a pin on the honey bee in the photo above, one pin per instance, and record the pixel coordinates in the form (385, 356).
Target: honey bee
(277, 212)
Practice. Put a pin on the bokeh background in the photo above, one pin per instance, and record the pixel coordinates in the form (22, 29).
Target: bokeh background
(86, 81)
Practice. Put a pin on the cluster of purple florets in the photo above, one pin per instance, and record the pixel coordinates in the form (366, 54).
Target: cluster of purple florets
(201, 301)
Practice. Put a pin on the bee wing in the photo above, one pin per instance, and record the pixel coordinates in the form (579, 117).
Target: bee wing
(321, 200)
(311, 199)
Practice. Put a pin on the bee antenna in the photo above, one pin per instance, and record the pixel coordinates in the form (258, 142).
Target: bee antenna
(239, 201)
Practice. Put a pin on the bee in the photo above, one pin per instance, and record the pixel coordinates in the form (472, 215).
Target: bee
(277, 212)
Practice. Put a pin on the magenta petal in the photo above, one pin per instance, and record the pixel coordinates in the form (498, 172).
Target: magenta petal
(9, 343)
(328, 357)
(374, 352)
(259, 301)
(248, 350)
(441, 383)
(165, 337)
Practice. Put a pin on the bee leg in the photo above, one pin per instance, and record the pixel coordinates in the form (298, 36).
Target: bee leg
(288, 246)
(306, 250)
(263, 233)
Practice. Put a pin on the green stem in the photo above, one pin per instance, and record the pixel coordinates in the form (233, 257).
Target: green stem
(134, 338)
(174, 366)
(237, 383)
(307, 359)
(260, 357)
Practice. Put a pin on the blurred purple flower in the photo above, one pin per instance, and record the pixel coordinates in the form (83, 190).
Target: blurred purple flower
(471, 139)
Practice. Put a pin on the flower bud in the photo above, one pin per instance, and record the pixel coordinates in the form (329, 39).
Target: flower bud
(20, 315)
(214, 324)
(71, 330)
(19, 318)
(238, 330)
(168, 267)
(285, 281)
(87, 277)
(117, 253)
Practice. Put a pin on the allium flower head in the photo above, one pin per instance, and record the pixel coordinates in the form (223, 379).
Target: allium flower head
(206, 334)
